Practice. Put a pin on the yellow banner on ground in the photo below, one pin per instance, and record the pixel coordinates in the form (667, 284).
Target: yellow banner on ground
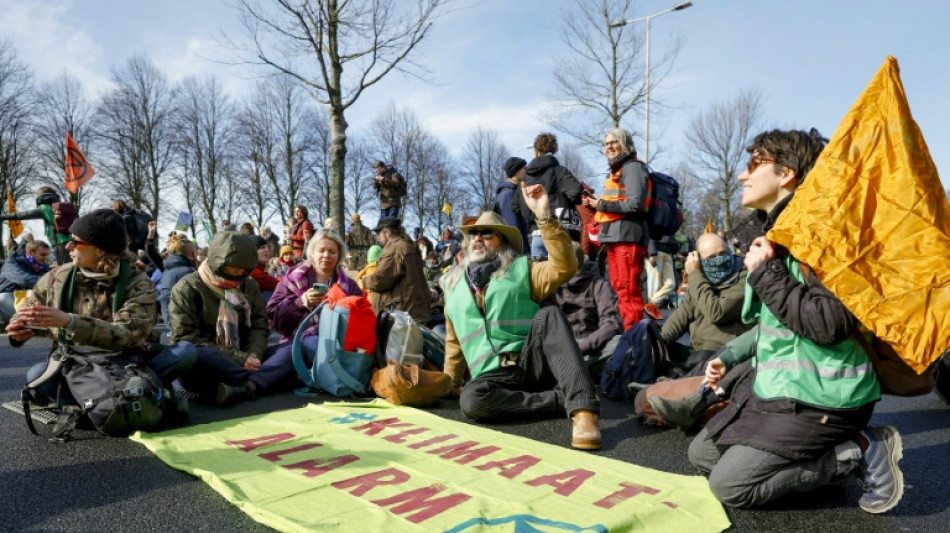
(378, 467)
(872, 221)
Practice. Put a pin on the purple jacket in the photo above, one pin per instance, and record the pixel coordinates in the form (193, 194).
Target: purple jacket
(286, 311)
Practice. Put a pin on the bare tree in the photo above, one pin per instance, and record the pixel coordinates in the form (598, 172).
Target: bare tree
(207, 135)
(351, 45)
(399, 137)
(17, 160)
(482, 164)
(135, 126)
(359, 180)
(284, 132)
(62, 106)
(571, 158)
(716, 140)
(431, 169)
(602, 81)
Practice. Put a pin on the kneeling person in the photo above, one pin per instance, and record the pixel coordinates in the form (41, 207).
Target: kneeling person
(523, 359)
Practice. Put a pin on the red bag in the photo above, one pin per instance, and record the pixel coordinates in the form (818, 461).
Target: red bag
(361, 323)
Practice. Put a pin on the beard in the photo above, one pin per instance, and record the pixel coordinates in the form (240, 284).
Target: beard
(482, 254)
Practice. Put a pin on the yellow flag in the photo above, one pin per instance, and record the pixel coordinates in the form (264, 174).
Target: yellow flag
(872, 220)
(709, 226)
(16, 227)
(447, 208)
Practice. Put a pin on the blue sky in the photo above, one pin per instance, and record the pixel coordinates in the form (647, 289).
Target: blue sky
(491, 62)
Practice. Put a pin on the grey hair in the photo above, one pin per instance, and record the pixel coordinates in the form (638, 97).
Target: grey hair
(626, 140)
(326, 233)
(506, 256)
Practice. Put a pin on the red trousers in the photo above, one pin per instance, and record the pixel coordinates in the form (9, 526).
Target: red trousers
(625, 265)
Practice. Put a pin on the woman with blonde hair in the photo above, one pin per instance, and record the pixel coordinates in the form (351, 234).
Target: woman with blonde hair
(305, 286)
(179, 263)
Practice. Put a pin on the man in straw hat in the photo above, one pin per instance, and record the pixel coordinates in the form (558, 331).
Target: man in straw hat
(523, 359)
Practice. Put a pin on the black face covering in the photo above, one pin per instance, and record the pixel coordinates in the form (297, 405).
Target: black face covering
(479, 273)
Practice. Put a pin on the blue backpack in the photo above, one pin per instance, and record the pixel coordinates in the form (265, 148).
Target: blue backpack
(665, 215)
(334, 370)
(641, 357)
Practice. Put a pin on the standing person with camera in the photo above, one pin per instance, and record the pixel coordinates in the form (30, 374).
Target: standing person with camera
(306, 285)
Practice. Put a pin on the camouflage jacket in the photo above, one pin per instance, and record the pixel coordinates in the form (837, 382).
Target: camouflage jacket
(96, 325)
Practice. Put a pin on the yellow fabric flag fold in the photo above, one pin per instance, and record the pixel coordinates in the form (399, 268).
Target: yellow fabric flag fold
(447, 208)
(16, 227)
(709, 226)
(872, 220)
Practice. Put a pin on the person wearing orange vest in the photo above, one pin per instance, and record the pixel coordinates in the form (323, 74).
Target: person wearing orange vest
(620, 211)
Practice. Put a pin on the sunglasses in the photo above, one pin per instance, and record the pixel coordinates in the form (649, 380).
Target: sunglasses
(78, 243)
(756, 161)
(486, 234)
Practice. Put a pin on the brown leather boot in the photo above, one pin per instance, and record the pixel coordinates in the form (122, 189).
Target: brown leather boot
(586, 432)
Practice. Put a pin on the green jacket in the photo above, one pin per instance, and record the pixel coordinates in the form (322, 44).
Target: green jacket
(193, 309)
(711, 313)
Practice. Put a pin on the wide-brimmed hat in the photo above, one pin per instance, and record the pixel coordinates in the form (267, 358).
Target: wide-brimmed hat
(392, 223)
(493, 221)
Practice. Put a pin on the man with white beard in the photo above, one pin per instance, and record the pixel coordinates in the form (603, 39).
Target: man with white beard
(524, 360)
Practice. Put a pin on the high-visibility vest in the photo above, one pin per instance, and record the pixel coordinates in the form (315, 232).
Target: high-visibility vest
(837, 376)
(509, 311)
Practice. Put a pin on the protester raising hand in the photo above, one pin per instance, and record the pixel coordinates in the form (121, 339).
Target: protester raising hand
(536, 198)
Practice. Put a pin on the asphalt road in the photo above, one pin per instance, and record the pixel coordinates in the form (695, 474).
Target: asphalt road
(100, 484)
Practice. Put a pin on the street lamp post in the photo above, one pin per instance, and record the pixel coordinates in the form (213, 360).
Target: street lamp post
(648, 19)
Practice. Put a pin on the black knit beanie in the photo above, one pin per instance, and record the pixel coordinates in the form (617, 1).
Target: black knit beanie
(104, 229)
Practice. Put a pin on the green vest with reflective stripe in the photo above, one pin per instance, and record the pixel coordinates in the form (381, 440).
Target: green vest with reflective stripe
(509, 311)
(837, 376)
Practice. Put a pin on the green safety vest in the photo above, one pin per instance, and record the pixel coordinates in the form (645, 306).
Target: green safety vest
(837, 376)
(503, 328)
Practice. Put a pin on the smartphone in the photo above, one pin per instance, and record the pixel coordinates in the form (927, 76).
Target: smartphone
(320, 287)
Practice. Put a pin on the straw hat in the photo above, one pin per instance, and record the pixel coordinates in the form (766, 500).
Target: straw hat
(493, 221)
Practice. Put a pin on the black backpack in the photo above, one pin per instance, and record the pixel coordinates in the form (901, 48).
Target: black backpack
(115, 391)
(641, 357)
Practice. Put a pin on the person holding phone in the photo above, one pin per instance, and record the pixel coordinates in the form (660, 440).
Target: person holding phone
(305, 287)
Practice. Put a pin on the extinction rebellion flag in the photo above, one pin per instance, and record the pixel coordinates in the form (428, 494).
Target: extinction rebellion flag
(78, 169)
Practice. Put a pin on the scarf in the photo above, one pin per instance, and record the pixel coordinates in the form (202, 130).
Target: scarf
(38, 268)
(100, 276)
(230, 298)
(720, 268)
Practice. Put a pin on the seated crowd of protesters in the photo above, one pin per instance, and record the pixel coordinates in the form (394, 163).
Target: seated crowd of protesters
(526, 317)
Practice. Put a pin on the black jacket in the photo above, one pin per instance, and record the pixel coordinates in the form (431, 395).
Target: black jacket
(564, 192)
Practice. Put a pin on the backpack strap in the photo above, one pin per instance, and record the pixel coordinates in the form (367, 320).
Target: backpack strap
(296, 349)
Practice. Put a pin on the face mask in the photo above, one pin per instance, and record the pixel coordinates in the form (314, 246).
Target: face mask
(718, 268)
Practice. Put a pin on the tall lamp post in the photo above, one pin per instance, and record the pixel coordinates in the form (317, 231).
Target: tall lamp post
(648, 18)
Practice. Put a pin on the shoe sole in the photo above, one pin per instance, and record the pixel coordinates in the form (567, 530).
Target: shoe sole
(896, 447)
(585, 444)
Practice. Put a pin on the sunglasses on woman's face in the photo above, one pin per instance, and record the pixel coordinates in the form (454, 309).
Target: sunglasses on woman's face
(486, 234)
(756, 161)
(77, 243)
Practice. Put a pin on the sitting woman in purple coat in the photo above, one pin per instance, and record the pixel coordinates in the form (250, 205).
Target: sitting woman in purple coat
(305, 287)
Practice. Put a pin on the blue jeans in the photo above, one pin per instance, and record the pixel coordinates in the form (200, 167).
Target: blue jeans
(392, 211)
(538, 251)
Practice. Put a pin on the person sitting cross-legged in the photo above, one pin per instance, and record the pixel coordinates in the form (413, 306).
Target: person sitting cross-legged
(523, 359)
(220, 310)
